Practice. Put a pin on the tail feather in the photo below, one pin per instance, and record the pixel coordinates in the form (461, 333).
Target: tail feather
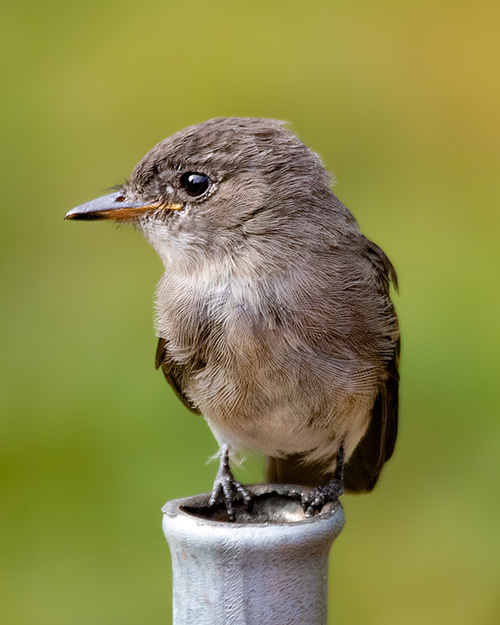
(292, 470)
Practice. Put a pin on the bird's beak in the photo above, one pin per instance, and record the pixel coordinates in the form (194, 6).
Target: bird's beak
(115, 206)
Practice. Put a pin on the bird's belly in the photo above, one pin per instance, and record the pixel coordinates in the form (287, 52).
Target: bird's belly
(279, 416)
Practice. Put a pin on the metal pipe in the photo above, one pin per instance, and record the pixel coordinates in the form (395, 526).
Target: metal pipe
(268, 567)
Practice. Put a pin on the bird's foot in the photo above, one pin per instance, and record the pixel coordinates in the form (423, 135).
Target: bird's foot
(321, 495)
(226, 489)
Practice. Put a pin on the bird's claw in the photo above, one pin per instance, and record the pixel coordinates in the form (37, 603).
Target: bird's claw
(321, 495)
(226, 489)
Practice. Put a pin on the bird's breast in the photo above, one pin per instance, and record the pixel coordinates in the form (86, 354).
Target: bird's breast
(221, 317)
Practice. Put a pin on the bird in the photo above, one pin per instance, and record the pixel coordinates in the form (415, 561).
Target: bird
(274, 314)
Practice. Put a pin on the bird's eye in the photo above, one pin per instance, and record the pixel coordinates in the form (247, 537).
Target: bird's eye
(195, 184)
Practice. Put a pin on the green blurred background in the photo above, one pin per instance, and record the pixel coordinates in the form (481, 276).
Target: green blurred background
(401, 99)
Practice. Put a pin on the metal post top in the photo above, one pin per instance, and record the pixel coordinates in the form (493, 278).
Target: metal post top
(276, 509)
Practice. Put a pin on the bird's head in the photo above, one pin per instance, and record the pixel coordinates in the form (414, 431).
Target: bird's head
(213, 181)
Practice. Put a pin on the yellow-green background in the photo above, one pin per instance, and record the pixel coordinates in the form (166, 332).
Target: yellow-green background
(401, 99)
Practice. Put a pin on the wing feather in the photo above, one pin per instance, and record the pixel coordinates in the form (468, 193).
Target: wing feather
(173, 373)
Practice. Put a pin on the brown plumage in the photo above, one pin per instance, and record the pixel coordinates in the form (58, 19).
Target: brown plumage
(273, 314)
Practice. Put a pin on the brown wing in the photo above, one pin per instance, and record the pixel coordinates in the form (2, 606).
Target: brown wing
(362, 470)
(173, 373)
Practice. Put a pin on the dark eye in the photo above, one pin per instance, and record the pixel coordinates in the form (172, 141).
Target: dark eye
(195, 184)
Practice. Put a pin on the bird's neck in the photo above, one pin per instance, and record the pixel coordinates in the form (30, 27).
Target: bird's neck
(210, 252)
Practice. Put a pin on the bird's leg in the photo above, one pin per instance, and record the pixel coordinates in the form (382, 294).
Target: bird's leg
(321, 495)
(226, 489)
